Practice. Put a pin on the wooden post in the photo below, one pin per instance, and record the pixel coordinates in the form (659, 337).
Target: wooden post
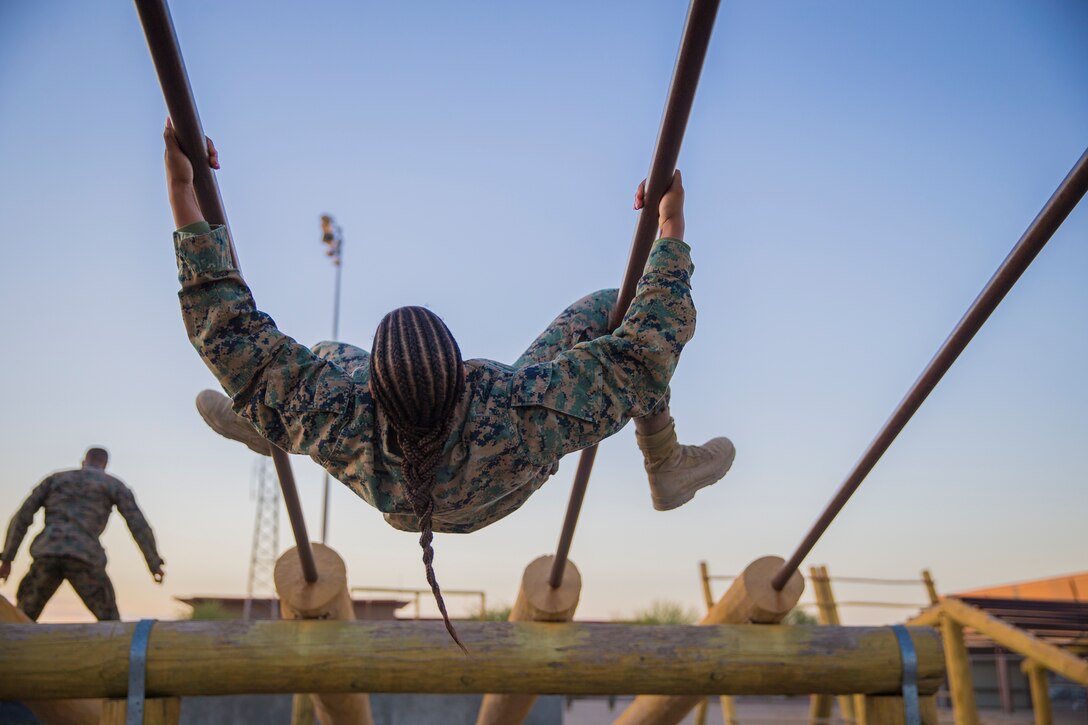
(750, 600)
(960, 687)
(157, 711)
(729, 710)
(700, 711)
(729, 706)
(1053, 658)
(1040, 692)
(326, 598)
(76, 712)
(890, 710)
(302, 710)
(931, 587)
(537, 601)
(1004, 690)
(828, 614)
(48, 661)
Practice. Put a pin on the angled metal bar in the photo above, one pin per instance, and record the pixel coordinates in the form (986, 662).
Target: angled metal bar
(162, 41)
(1063, 201)
(685, 79)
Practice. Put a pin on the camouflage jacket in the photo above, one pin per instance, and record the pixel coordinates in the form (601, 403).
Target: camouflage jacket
(510, 428)
(77, 506)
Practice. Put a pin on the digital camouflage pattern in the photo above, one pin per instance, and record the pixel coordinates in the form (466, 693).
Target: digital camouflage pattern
(77, 506)
(47, 573)
(575, 385)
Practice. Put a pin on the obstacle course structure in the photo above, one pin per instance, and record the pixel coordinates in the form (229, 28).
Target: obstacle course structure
(670, 668)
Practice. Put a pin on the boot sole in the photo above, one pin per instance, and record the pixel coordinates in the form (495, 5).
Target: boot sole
(689, 493)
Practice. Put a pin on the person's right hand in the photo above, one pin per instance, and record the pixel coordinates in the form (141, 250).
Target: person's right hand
(5, 570)
(179, 170)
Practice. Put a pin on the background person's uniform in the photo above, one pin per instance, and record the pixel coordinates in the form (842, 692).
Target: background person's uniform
(577, 384)
(77, 506)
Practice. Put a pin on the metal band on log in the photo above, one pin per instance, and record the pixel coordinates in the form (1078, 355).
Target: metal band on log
(43, 661)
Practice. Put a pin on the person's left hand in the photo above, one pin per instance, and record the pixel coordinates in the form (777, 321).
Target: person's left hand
(5, 570)
(158, 575)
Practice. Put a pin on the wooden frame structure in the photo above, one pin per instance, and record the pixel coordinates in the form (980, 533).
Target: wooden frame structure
(953, 616)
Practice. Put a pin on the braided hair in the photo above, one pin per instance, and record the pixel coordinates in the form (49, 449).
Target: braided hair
(417, 379)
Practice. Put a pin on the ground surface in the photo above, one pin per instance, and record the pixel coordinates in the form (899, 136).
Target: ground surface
(753, 711)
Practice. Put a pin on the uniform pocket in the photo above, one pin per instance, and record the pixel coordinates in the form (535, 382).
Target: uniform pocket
(558, 405)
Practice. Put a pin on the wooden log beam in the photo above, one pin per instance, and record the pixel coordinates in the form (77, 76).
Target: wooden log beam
(961, 688)
(1040, 692)
(71, 712)
(233, 657)
(1017, 640)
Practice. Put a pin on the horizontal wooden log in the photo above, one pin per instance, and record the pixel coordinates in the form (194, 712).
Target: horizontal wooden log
(235, 657)
(1017, 640)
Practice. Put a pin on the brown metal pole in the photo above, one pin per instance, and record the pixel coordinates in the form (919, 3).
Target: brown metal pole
(294, 512)
(1069, 193)
(162, 41)
(670, 135)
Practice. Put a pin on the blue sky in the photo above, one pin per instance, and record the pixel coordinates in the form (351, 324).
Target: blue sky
(855, 174)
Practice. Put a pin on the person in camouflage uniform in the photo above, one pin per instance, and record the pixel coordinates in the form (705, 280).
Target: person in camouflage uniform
(432, 441)
(77, 506)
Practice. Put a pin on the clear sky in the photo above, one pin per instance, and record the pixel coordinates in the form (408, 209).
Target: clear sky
(855, 174)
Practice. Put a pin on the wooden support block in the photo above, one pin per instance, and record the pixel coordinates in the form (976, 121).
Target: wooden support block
(537, 601)
(1040, 692)
(960, 686)
(327, 598)
(70, 712)
(750, 600)
(157, 711)
(891, 710)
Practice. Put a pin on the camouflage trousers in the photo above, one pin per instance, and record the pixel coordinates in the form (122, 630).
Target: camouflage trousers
(46, 575)
(586, 319)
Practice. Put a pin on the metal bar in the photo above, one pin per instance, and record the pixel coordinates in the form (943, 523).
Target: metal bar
(1040, 231)
(162, 41)
(670, 136)
(294, 512)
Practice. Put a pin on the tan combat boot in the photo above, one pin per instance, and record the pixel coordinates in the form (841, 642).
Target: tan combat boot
(676, 472)
(215, 409)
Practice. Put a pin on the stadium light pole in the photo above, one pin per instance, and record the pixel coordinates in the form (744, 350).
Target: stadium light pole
(333, 239)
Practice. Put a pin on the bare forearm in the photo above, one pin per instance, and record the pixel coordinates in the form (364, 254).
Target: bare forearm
(184, 205)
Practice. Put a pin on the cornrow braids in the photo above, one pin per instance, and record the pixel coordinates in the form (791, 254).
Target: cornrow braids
(417, 378)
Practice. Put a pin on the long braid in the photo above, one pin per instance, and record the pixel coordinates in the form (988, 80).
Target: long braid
(417, 379)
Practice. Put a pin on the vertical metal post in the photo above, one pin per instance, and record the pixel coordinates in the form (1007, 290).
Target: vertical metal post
(670, 135)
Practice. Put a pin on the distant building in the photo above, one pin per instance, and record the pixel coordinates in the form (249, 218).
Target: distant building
(264, 608)
(1055, 610)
